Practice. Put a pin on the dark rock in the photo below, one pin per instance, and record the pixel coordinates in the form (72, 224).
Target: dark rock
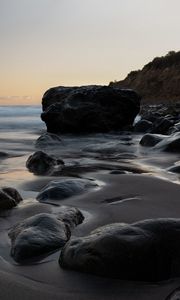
(151, 115)
(150, 140)
(89, 109)
(143, 126)
(169, 144)
(174, 128)
(142, 251)
(161, 126)
(64, 188)
(48, 140)
(37, 235)
(43, 233)
(3, 155)
(70, 216)
(174, 169)
(41, 163)
(9, 198)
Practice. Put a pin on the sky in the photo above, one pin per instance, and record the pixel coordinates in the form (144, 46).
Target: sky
(46, 43)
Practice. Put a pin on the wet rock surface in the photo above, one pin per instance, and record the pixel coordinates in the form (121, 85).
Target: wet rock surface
(143, 126)
(150, 140)
(41, 163)
(43, 233)
(169, 144)
(142, 251)
(64, 188)
(161, 126)
(89, 109)
(9, 198)
(47, 140)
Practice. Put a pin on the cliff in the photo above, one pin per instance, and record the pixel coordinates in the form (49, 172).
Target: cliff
(158, 81)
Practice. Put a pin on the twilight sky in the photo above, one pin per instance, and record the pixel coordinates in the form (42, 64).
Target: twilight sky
(46, 43)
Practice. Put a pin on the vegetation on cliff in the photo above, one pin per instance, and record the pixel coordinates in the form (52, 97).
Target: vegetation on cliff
(158, 81)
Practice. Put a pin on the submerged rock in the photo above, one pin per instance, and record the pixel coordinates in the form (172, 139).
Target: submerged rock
(41, 163)
(9, 198)
(150, 140)
(89, 109)
(48, 140)
(169, 144)
(144, 251)
(64, 188)
(43, 233)
(3, 155)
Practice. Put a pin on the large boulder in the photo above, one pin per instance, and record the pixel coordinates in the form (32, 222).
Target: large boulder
(89, 109)
(144, 251)
(43, 233)
(64, 188)
(9, 198)
(41, 163)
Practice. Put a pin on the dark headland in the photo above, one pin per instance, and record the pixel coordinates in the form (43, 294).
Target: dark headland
(158, 81)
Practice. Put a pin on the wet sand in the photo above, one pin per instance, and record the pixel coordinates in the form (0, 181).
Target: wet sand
(122, 198)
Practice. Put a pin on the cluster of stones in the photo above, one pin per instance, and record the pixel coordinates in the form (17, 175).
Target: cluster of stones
(159, 119)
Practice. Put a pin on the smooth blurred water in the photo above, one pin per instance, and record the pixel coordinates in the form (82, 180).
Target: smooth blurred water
(20, 118)
(19, 127)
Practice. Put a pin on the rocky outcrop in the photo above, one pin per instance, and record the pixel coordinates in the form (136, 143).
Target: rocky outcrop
(144, 251)
(9, 198)
(158, 81)
(89, 109)
(43, 233)
(64, 188)
(41, 163)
